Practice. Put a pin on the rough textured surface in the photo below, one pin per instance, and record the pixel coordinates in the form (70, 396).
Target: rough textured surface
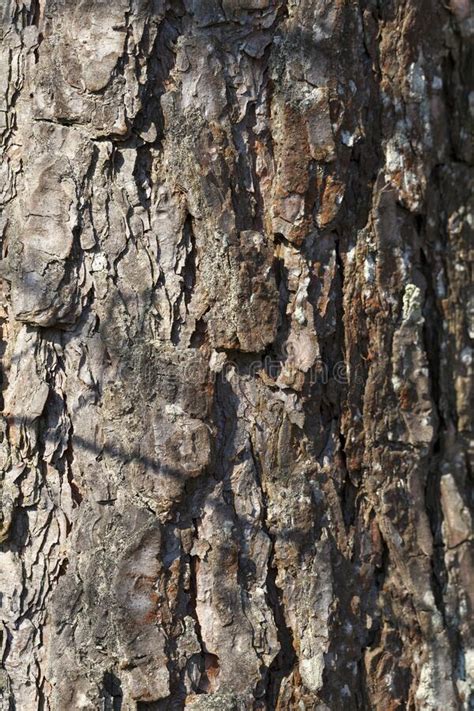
(236, 355)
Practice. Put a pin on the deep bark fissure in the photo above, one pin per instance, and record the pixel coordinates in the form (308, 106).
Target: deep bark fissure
(285, 660)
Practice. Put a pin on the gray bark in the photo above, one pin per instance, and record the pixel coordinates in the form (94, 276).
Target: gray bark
(236, 355)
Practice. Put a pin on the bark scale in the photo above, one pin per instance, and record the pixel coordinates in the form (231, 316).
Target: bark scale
(236, 355)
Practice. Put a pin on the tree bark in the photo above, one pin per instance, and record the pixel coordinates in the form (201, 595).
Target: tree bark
(236, 355)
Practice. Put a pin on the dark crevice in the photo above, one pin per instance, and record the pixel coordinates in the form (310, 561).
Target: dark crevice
(69, 461)
(160, 64)
(433, 337)
(199, 335)
(193, 563)
(188, 275)
(382, 567)
(286, 659)
(36, 21)
(432, 345)
(171, 651)
(111, 692)
(348, 493)
(58, 121)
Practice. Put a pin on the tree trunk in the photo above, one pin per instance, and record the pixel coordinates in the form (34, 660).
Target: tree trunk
(236, 361)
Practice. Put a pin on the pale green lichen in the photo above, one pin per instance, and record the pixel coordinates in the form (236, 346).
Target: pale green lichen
(412, 304)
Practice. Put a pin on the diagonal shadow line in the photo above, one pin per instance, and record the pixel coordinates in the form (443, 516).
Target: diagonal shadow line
(156, 466)
(127, 457)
